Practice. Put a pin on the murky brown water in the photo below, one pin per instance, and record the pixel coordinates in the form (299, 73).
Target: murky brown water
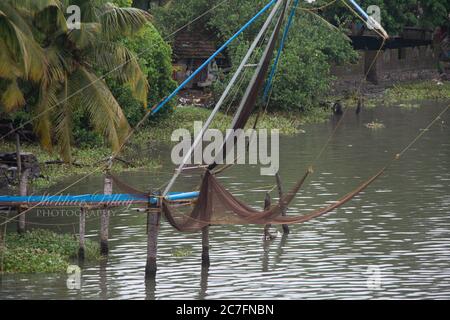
(393, 241)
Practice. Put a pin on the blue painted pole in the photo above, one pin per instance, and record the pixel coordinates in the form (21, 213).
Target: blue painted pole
(71, 200)
(280, 49)
(215, 54)
(359, 9)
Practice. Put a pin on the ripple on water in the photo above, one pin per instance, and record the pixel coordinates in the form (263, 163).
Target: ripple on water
(392, 241)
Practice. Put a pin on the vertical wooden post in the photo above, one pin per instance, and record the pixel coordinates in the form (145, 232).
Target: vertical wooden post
(104, 220)
(283, 208)
(18, 152)
(205, 247)
(152, 244)
(23, 190)
(267, 202)
(82, 230)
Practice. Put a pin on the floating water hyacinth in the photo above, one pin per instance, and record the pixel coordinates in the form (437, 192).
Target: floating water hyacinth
(374, 125)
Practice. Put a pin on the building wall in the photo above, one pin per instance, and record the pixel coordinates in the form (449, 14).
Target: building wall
(391, 64)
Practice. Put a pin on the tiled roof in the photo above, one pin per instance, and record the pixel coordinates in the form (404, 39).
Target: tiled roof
(195, 44)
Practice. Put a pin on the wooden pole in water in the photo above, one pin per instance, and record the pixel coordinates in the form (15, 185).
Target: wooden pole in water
(153, 220)
(205, 247)
(104, 220)
(267, 203)
(283, 208)
(82, 230)
(23, 190)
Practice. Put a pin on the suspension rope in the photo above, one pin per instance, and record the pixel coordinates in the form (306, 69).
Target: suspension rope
(113, 70)
(148, 113)
(280, 50)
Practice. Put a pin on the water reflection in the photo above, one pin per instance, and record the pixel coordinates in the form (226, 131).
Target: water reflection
(204, 275)
(400, 225)
(103, 275)
(150, 289)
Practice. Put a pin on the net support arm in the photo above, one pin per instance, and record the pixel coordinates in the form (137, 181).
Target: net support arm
(211, 58)
(370, 20)
(219, 103)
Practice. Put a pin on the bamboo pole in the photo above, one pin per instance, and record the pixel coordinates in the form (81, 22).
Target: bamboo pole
(283, 207)
(152, 244)
(205, 247)
(104, 220)
(82, 231)
(23, 190)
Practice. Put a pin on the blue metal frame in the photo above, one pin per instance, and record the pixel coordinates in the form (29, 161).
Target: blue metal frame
(185, 82)
(71, 200)
(280, 50)
(359, 9)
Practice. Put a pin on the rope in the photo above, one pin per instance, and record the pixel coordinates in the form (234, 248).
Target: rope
(280, 50)
(318, 8)
(145, 117)
(111, 71)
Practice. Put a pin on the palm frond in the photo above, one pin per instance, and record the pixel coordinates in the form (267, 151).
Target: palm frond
(86, 36)
(63, 114)
(22, 48)
(43, 124)
(51, 20)
(9, 69)
(33, 5)
(115, 57)
(104, 112)
(12, 98)
(122, 21)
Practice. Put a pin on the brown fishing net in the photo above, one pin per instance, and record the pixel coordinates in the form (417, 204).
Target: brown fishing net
(216, 205)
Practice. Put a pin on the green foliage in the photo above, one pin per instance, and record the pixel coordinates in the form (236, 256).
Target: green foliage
(43, 251)
(417, 91)
(303, 74)
(40, 51)
(123, 3)
(182, 252)
(397, 14)
(155, 58)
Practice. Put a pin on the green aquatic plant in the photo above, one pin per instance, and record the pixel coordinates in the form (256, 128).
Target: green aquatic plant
(374, 125)
(182, 252)
(43, 251)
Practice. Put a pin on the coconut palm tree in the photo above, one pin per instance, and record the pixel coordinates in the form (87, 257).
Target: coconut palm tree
(38, 49)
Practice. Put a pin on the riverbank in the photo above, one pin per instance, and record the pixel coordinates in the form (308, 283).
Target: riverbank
(42, 251)
(403, 95)
(141, 152)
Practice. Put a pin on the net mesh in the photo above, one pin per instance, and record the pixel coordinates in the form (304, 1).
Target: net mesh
(217, 206)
